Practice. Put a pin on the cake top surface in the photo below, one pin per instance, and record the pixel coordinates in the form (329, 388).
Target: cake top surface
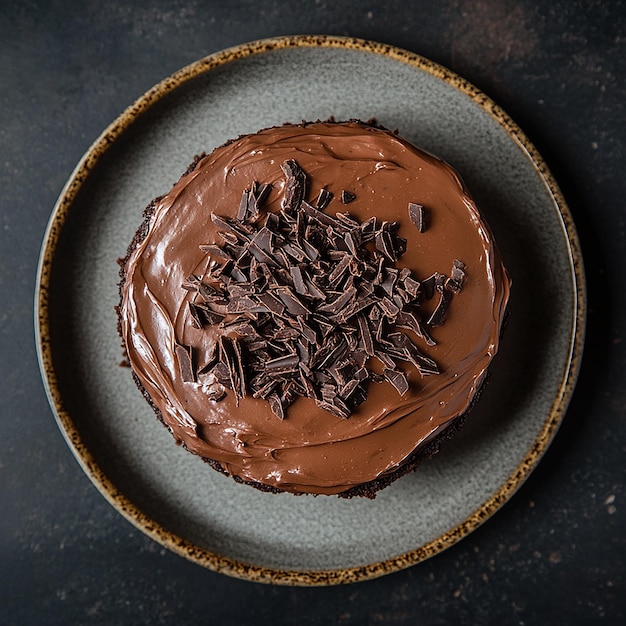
(367, 173)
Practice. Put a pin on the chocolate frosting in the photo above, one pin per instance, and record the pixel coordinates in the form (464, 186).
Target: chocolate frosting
(312, 450)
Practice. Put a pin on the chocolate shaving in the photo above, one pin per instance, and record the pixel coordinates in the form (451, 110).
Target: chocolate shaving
(196, 318)
(439, 314)
(231, 357)
(347, 196)
(410, 320)
(323, 199)
(216, 394)
(398, 379)
(216, 252)
(212, 361)
(229, 227)
(339, 303)
(418, 216)
(295, 185)
(307, 331)
(457, 275)
(283, 365)
(314, 292)
(257, 198)
(311, 252)
(428, 286)
(411, 286)
(242, 214)
(293, 304)
(277, 406)
(384, 244)
(185, 363)
(347, 220)
(408, 351)
(335, 406)
(308, 299)
(298, 280)
(222, 374)
(389, 309)
(366, 336)
(318, 216)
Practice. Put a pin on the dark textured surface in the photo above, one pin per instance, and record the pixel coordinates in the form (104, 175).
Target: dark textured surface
(556, 552)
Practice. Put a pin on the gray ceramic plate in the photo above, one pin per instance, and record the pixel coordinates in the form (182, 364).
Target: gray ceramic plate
(176, 498)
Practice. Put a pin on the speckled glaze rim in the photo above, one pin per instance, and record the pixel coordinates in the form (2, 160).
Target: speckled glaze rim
(178, 544)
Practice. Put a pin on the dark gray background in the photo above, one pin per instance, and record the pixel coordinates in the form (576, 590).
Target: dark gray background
(555, 552)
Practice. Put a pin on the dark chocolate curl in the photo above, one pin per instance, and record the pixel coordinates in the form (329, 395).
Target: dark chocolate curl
(185, 363)
(295, 186)
(418, 216)
(347, 196)
(398, 379)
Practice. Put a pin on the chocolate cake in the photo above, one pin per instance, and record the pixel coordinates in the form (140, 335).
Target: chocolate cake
(313, 308)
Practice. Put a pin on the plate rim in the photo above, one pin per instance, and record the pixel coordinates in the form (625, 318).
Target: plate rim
(188, 549)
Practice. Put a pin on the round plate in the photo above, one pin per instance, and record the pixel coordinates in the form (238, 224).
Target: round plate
(176, 498)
